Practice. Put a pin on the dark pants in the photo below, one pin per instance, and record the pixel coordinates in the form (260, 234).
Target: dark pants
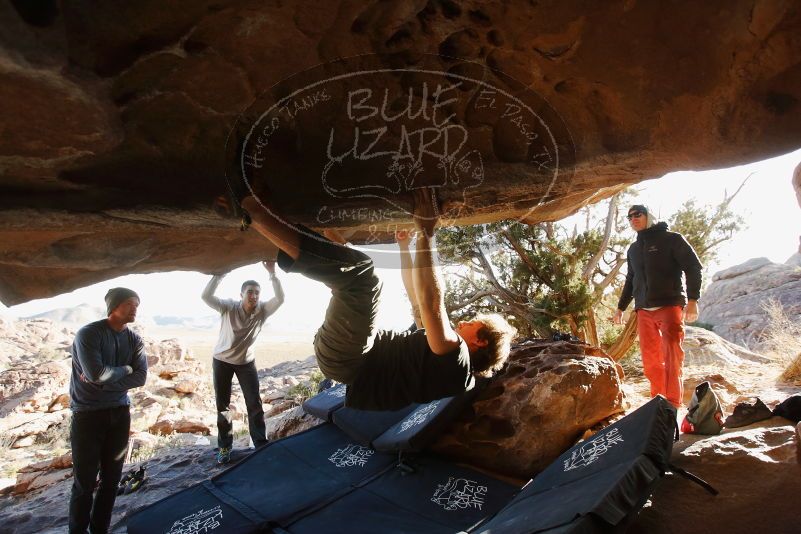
(99, 440)
(349, 328)
(249, 382)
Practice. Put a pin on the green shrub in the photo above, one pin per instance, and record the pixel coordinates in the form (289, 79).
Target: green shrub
(308, 389)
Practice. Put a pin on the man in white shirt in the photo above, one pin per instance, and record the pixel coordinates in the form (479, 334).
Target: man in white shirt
(241, 322)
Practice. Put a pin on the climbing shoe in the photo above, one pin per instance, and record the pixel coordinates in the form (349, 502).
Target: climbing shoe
(223, 455)
(745, 414)
(131, 481)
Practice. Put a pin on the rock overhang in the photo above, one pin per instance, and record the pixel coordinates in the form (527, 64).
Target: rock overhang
(116, 143)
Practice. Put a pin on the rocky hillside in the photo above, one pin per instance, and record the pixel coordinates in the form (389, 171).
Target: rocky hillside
(745, 464)
(177, 400)
(734, 302)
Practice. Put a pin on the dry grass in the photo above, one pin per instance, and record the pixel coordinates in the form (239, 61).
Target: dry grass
(8, 462)
(782, 341)
(792, 373)
(146, 452)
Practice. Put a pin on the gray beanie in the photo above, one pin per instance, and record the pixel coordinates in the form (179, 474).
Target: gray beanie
(117, 296)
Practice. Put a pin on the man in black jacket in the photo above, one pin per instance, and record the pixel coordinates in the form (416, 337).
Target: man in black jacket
(656, 262)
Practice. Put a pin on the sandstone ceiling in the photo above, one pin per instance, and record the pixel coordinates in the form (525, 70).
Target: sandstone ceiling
(120, 123)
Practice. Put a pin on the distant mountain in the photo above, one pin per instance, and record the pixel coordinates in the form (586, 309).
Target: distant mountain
(85, 313)
(78, 315)
(203, 323)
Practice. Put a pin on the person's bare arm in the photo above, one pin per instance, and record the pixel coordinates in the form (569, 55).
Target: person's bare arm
(274, 303)
(428, 285)
(268, 224)
(403, 237)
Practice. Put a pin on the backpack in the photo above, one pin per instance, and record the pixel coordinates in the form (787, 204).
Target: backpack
(704, 413)
(790, 408)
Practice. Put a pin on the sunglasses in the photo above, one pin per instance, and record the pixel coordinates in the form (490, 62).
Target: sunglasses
(634, 215)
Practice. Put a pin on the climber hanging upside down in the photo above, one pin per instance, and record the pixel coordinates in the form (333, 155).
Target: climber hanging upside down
(386, 370)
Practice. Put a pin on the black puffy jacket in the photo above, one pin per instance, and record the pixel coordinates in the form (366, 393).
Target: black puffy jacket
(655, 264)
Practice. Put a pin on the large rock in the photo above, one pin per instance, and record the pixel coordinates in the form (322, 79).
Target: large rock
(733, 302)
(165, 427)
(547, 396)
(705, 348)
(797, 187)
(169, 472)
(117, 143)
(752, 468)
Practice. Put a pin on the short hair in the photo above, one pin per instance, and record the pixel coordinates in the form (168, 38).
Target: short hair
(498, 333)
(247, 283)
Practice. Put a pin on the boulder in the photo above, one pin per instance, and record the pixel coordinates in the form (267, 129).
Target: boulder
(39, 479)
(62, 402)
(22, 428)
(165, 427)
(43, 474)
(289, 422)
(733, 302)
(186, 386)
(59, 462)
(544, 400)
(704, 347)
(798, 443)
(145, 411)
(121, 116)
(168, 374)
(165, 352)
(752, 468)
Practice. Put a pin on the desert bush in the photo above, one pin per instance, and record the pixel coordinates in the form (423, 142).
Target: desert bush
(781, 340)
(8, 463)
(308, 389)
(146, 452)
(57, 436)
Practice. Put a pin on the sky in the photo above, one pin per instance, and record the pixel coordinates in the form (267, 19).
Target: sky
(767, 203)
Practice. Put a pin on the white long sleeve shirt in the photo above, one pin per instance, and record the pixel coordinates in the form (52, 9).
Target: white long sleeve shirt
(238, 329)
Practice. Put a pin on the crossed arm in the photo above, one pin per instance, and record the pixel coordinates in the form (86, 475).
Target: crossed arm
(138, 375)
(111, 378)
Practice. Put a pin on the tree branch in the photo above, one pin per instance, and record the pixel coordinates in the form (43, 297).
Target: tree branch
(610, 221)
(721, 209)
(478, 295)
(609, 278)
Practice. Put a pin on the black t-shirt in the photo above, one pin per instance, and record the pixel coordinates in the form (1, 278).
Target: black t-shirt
(401, 369)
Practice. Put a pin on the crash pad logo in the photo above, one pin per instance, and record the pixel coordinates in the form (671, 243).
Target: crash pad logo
(199, 522)
(351, 456)
(337, 392)
(419, 416)
(460, 494)
(593, 450)
(358, 135)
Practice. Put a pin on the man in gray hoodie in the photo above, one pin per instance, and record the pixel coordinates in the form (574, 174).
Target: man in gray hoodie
(108, 359)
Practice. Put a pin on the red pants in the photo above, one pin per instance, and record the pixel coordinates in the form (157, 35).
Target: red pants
(661, 333)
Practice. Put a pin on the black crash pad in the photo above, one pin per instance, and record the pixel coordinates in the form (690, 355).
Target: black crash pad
(599, 483)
